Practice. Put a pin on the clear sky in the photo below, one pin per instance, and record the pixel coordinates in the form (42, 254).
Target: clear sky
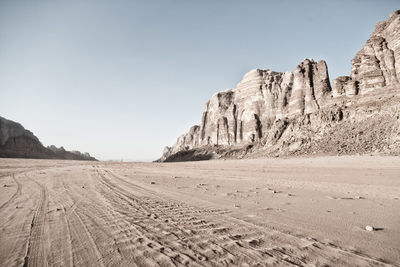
(122, 79)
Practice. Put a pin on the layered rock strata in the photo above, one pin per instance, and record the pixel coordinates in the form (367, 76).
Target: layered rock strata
(244, 114)
(264, 101)
(377, 64)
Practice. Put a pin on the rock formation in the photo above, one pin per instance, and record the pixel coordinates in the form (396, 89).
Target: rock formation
(244, 114)
(377, 64)
(269, 109)
(17, 142)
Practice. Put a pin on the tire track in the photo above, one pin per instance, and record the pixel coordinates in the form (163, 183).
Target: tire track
(70, 251)
(16, 193)
(83, 254)
(232, 248)
(102, 219)
(146, 236)
(131, 239)
(61, 246)
(189, 232)
(35, 252)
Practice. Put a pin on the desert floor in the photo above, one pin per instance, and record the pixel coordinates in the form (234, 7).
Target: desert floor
(283, 212)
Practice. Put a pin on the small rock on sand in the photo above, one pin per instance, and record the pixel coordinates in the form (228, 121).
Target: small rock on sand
(369, 228)
(153, 183)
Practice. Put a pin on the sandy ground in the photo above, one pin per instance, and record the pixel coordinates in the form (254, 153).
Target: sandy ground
(275, 212)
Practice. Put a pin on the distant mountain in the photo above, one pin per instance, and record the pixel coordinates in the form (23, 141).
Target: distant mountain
(273, 113)
(17, 142)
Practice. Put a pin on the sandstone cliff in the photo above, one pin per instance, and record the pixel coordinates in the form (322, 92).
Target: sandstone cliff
(275, 113)
(377, 64)
(17, 142)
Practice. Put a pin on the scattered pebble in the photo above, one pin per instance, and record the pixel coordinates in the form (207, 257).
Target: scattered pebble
(237, 206)
(369, 228)
(5, 185)
(254, 242)
(358, 197)
(236, 237)
(203, 258)
(153, 183)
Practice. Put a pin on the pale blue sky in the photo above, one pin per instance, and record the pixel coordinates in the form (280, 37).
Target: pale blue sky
(122, 79)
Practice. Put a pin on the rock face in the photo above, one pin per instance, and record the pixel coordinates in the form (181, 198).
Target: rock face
(17, 142)
(266, 105)
(244, 114)
(344, 85)
(377, 64)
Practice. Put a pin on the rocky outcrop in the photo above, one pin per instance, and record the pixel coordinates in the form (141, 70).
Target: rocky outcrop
(9, 129)
(273, 110)
(377, 64)
(244, 114)
(17, 142)
(344, 85)
(72, 155)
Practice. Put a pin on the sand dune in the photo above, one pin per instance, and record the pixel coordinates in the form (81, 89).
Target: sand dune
(275, 212)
